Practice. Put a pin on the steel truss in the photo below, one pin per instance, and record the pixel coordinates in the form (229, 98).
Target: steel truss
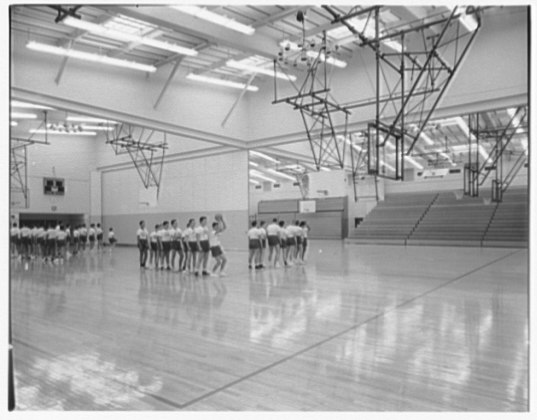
(414, 69)
(146, 148)
(18, 166)
(476, 172)
(325, 120)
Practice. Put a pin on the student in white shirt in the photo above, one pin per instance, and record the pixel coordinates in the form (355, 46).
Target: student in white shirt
(305, 230)
(99, 234)
(76, 239)
(166, 245)
(154, 243)
(190, 237)
(263, 239)
(283, 242)
(254, 244)
(25, 241)
(142, 239)
(61, 241)
(202, 237)
(177, 244)
(112, 239)
(51, 243)
(91, 236)
(216, 247)
(291, 242)
(298, 237)
(273, 239)
(83, 237)
(15, 240)
(41, 241)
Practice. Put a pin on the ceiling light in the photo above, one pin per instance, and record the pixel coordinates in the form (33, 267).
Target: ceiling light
(126, 37)
(209, 16)
(18, 104)
(253, 164)
(469, 21)
(65, 133)
(413, 162)
(259, 175)
(13, 123)
(89, 56)
(264, 156)
(97, 127)
(221, 82)
(324, 168)
(23, 116)
(254, 69)
(427, 139)
(90, 119)
(253, 181)
(387, 165)
(330, 60)
(280, 174)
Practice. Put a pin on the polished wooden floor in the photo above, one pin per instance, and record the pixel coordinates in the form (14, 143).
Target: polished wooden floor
(358, 328)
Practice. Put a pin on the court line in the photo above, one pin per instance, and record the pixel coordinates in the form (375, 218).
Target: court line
(343, 332)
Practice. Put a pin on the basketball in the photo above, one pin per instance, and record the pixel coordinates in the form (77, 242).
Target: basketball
(218, 216)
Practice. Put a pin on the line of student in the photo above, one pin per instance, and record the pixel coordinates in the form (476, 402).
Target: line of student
(287, 244)
(56, 241)
(192, 246)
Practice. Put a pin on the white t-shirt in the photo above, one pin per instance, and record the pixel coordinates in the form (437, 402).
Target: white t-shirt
(305, 231)
(290, 231)
(99, 231)
(254, 233)
(24, 232)
(177, 234)
(214, 238)
(15, 231)
(83, 231)
(41, 233)
(273, 229)
(61, 235)
(297, 230)
(203, 232)
(262, 233)
(164, 235)
(189, 234)
(51, 233)
(76, 233)
(153, 236)
(91, 232)
(142, 234)
(111, 234)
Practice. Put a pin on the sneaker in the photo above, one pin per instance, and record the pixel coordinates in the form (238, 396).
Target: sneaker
(205, 273)
(168, 268)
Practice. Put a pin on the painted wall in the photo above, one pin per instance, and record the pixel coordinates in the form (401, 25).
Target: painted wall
(68, 157)
(190, 188)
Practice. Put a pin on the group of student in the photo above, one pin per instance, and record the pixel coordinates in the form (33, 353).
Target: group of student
(191, 246)
(56, 241)
(286, 243)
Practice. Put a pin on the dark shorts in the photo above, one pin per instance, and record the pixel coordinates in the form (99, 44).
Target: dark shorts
(92, 238)
(60, 243)
(166, 246)
(273, 240)
(112, 240)
(83, 238)
(177, 246)
(204, 246)
(15, 239)
(154, 246)
(283, 243)
(75, 239)
(216, 251)
(185, 246)
(51, 242)
(305, 243)
(299, 240)
(254, 244)
(100, 237)
(291, 241)
(41, 240)
(193, 246)
(25, 240)
(264, 243)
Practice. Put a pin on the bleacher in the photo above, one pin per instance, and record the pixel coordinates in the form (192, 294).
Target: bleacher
(509, 226)
(393, 219)
(454, 219)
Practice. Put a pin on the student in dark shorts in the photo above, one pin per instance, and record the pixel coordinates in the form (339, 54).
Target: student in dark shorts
(254, 244)
(202, 237)
(283, 242)
(216, 247)
(142, 237)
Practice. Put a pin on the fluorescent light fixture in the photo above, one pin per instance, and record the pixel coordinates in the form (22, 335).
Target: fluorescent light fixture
(390, 145)
(90, 119)
(413, 162)
(254, 69)
(259, 175)
(324, 168)
(427, 139)
(264, 156)
(253, 181)
(64, 133)
(330, 60)
(468, 21)
(280, 174)
(524, 144)
(202, 13)
(19, 104)
(253, 164)
(96, 58)
(97, 127)
(221, 82)
(513, 114)
(387, 165)
(394, 45)
(483, 152)
(13, 123)
(126, 37)
(23, 116)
